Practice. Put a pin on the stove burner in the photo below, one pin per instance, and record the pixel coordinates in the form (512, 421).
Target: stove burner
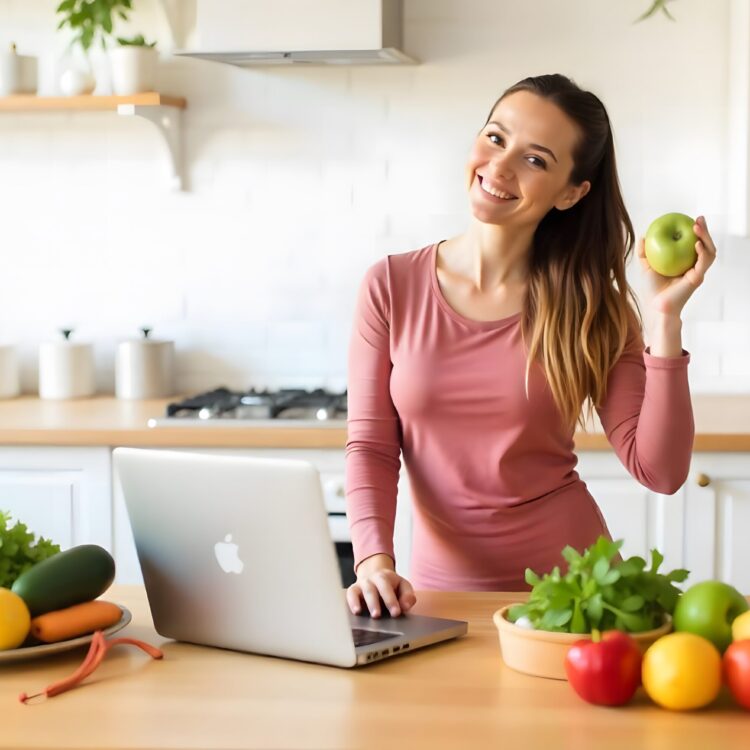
(287, 403)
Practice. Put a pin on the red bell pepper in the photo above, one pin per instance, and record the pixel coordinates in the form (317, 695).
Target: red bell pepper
(605, 670)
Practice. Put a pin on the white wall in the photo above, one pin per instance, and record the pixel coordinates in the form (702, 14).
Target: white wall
(299, 178)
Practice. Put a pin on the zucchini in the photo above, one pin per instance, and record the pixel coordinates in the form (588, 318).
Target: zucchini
(78, 574)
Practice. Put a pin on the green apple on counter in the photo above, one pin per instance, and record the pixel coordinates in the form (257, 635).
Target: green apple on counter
(708, 609)
(670, 244)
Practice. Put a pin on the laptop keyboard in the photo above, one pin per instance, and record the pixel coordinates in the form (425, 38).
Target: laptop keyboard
(366, 637)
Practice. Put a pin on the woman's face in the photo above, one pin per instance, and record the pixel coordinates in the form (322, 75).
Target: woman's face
(525, 150)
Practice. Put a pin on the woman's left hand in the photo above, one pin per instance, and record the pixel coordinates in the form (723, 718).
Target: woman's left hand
(671, 293)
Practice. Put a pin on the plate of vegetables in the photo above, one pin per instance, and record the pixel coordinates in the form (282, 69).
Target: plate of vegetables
(36, 649)
(598, 592)
(49, 599)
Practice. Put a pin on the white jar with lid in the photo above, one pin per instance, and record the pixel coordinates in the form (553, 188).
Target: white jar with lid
(10, 385)
(66, 369)
(18, 73)
(144, 368)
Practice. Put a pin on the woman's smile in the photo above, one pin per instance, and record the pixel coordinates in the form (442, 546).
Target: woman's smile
(496, 196)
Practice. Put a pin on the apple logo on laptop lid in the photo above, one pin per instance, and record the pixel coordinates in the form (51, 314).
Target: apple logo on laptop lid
(227, 555)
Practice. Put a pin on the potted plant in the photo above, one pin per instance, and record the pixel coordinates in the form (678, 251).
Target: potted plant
(133, 65)
(90, 21)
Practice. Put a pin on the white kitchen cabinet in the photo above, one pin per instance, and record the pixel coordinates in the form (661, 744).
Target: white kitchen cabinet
(331, 466)
(643, 518)
(60, 493)
(717, 519)
(701, 528)
(68, 495)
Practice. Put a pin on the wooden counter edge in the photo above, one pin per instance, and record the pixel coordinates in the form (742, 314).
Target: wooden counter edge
(281, 437)
(278, 437)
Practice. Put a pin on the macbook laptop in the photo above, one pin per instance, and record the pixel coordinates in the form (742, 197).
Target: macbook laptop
(236, 553)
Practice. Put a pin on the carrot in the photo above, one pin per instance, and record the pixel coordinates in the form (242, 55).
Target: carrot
(74, 621)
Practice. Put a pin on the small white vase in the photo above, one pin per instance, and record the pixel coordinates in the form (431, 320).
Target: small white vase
(133, 69)
(74, 82)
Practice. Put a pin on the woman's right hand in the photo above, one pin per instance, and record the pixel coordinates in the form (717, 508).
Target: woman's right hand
(376, 578)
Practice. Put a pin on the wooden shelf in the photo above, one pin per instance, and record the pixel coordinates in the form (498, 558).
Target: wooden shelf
(87, 103)
(161, 110)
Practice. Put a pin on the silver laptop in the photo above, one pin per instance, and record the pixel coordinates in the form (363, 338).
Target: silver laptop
(236, 552)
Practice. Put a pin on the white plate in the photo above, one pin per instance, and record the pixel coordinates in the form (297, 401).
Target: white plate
(46, 649)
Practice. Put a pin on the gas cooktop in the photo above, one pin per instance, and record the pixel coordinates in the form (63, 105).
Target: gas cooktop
(224, 407)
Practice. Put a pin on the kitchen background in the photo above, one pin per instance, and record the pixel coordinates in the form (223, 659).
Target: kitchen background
(298, 178)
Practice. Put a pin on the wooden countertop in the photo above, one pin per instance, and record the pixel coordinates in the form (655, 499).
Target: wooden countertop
(454, 694)
(722, 424)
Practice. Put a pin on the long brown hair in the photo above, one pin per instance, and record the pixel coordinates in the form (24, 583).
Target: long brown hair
(577, 313)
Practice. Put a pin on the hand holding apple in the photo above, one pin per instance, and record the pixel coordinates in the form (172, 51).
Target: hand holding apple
(659, 254)
(670, 244)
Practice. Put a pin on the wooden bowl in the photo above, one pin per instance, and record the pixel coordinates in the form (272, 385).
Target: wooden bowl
(541, 653)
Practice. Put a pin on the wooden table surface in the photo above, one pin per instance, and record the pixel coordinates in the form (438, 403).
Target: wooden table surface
(457, 694)
(722, 423)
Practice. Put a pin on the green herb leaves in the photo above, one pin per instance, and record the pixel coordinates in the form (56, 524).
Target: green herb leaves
(18, 552)
(597, 594)
(135, 41)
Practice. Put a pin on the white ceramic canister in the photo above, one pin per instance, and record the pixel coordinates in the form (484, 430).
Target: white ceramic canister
(18, 73)
(66, 369)
(144, 368)
(10, 383)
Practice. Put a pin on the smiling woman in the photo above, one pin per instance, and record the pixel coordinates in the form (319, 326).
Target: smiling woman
(576, 320)
(475, 356)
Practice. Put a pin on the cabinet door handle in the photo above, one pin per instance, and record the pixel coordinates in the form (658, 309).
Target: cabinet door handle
(702, 480)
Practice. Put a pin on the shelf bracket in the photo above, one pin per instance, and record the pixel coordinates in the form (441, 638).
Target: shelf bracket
(167, 120)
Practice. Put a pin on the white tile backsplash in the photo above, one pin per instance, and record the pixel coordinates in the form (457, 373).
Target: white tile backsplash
(301, 177)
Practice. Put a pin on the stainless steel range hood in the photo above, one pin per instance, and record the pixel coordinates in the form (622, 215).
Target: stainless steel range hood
(282, 32)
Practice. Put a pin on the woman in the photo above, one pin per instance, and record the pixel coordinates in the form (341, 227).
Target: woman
(474, 356)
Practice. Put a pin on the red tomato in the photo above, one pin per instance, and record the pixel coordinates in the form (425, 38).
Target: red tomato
(736, 668)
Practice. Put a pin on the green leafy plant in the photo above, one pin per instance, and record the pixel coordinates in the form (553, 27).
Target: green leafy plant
(136, 41)
(19, 550)
(92, 19)
(597, 594)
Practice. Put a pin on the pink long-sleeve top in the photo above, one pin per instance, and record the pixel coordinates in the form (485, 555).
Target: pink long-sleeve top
(492, 474)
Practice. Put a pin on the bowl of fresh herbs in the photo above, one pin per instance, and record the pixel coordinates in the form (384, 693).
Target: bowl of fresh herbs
(598, 592)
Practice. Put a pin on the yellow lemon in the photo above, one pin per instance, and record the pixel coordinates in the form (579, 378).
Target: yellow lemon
(682, 671)
(741, 627)
(15, 620)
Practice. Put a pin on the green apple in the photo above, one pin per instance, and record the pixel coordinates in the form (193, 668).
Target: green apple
(708, 609)
(670, 244)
